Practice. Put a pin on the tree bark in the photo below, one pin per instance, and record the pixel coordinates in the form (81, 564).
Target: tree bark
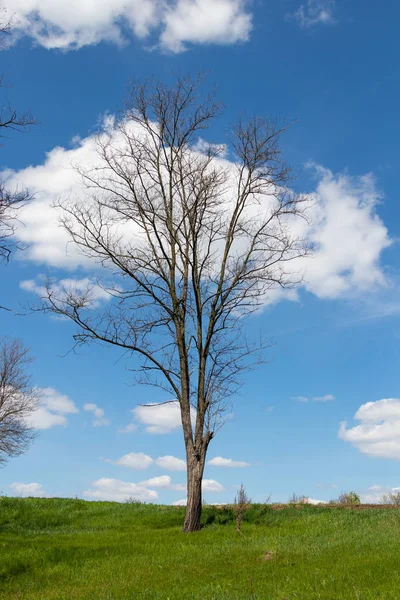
(195, 468)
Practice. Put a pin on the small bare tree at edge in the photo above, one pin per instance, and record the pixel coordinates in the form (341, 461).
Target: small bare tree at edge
(241, 505)
(18, 400)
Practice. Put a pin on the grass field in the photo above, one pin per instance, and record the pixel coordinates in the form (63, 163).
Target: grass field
(71, 549)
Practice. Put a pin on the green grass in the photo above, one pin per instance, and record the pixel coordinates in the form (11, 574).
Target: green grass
(70, 549)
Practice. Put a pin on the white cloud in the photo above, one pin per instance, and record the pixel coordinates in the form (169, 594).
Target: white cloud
(375, 493)
(130, 428)
(205, 22)
(371, 498)
(315, 12)
(91, 293)
(171, 463)
(382, 410)
(326, 398)
(159, 418)
(44, 419)
(72, 24)
(375, 488)
(379, 431)
(26, 490)
(210, 485)
(119, 491)
(299, 398)
(347, 234)
(218, 461)
(164, 482)
(99, 420)
(139, 460)
(52, 409)
(134, 460)
(314, 501)
(181, 502)
(57, 402)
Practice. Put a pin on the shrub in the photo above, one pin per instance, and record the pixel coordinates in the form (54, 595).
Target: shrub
(348, 498)
(132, 500)
(241, 504)
(392, 498)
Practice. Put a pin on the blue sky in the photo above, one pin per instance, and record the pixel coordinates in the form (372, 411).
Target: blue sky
(333, 66)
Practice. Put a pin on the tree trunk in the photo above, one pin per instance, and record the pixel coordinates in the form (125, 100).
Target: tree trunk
(195, 468)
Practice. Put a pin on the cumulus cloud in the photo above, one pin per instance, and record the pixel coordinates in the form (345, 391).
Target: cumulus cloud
(348, 236)
(315, 12)
(382, 410)
(171, 463)
(139, 460)
(378, 433)
(210, 485)
(119, 491)
(26, 490)
(205, 22)
(72, 24)
(164, 482)
(218, 461)
(346, 232)
(159, 418)
(57, 402)
(99, 418)
(134, 460)
(52, 409)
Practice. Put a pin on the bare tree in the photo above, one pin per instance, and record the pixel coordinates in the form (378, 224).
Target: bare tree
(10, 204)
(241, 504)
(392, 498)
(194, 243)
(18, 400)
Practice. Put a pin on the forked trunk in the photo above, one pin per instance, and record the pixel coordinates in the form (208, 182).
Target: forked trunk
(195, 468)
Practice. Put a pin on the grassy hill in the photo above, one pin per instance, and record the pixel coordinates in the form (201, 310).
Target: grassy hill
(71, 549)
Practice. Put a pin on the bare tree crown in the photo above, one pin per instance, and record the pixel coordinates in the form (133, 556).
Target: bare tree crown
(18, 399)
(196, 242)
